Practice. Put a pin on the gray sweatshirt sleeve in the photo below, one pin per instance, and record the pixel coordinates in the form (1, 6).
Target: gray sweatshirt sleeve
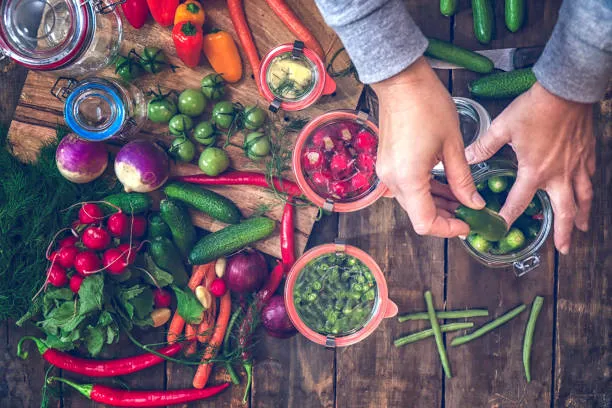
(577, 61)
(379, 35)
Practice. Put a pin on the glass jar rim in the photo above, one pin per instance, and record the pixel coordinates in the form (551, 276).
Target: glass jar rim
(341, 114)
(383, 306)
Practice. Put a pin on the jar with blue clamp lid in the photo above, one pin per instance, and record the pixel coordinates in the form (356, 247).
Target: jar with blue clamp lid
(99, 109)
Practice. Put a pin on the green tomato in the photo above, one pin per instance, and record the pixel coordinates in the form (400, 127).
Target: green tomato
(223, 114)
(213, 86)
(254, 117)
(180, 124)
(161, 109)
(153, 60)
(256, 146)
(127, 69)
(191, 102)
(213, 161)
(204, 133)
(183, 149)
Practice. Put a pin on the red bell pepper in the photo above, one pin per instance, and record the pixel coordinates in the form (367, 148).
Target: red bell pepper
(188, 39)
(135, 12)
(163, 11)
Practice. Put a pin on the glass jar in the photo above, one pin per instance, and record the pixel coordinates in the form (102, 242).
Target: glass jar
(326, 135)
(69, 37)
(382, 308)
(99, 108)
(527, 258)
(293, 77)
(474, 121)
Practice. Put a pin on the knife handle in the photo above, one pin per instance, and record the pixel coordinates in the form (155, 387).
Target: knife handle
(526, 56)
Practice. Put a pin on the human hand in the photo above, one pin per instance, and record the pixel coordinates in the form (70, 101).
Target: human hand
(419, 127)
(554, 144)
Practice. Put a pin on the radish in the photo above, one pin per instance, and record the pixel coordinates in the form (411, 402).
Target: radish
(321, 180)
(68, 241)
(113, 261)
(340, 165)
(57, 276)
(345, 132)
(118, 224)
(339, 189)
(96, 238)
(66, 255)
(75, 283)
(90, 213)
(323, 140)
(366, 162)
(161, 298)
(365, 142)
(80, 161)
(53, 256)
(359, 182)
(141, 166)
(86, 262)
(130, 256)
(218, 287)
(312, 159)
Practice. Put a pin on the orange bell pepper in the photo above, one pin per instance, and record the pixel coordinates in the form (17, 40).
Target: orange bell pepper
(192, 11)
(222, 53)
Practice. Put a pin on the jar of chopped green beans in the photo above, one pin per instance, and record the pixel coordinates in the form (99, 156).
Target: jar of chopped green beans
(336, 295)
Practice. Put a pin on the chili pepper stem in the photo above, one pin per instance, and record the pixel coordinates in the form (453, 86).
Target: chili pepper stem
(42, 347)
(84, 389)
(248, 368)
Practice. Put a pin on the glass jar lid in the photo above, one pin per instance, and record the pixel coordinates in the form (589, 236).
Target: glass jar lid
(45, 34)
(95, 110)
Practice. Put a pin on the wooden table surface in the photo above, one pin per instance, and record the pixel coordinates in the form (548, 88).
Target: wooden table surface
(571, 355)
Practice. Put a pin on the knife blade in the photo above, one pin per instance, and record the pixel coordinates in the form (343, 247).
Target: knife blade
(506, 59)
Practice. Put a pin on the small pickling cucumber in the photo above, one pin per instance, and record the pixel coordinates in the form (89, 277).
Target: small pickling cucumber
(209, 202)
(175, 214)
(514, 14)
(479, 243)
(529, 226)
(534, 207)
(503, 84)
(446, 51)
(484, 20)
(130, 203)
(488, 224)
(448, 7)
(492, 199)
(157, 227)
(512, 242)
(166, 256)
(497, 184)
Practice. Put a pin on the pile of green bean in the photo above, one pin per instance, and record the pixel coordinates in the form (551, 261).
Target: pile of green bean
(335, 294)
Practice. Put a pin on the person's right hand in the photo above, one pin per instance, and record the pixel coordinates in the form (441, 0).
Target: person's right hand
(419, 127)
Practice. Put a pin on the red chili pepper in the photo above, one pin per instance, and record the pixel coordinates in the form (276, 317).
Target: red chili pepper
(122, 398)
(135, 12)
(245, 178)
(188, 40)
(287, 236)
(163, 11)
(97, 368)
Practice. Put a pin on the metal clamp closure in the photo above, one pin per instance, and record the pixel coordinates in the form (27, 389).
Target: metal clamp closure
(330, 341)
(62, 92)
(105, 6)
(526, 265)
(362, 117)
(298, 49)
(328, 205)
(340, 245)
(275, 104)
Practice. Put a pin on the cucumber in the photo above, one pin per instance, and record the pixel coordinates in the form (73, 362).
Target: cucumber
(514, 14)
(479, 243)
(446, 51)
(231, 239)
(529, 226)
(204, 200)
(484, 20)
(512, 242)
(485, 222)
(166, 256)
(157, 227)
(534, 207)
(175, 214)
(130, 203)
(497, 184)
(504, 84)
(448, 7)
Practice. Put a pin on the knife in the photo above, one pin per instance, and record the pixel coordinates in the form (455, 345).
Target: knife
(506, 59)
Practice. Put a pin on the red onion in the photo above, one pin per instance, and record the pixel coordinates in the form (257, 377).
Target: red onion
(275, 318)
(246, 271)
(79, 160)
(141, 166)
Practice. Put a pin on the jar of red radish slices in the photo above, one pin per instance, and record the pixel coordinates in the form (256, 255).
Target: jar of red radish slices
(334, 161)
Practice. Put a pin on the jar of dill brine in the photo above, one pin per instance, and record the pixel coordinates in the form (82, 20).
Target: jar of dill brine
(521, 245)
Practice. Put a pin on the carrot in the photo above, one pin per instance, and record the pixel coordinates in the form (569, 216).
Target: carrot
(225, 308)
(190, 335)
(208, 320)
(177, 325)
(295, 25)
(236, 12)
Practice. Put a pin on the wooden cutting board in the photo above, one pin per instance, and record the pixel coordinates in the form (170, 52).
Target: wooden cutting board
(38, 113)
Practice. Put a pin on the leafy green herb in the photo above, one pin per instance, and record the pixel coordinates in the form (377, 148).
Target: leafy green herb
(162, 278)
(188, 306)
(91, 294)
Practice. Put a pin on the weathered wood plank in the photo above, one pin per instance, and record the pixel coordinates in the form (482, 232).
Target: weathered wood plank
(15, 75)
(489, 371)
(584, 309)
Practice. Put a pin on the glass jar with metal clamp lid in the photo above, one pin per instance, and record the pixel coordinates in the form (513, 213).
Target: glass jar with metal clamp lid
(98, 108)
(67, 37)
(293, 77)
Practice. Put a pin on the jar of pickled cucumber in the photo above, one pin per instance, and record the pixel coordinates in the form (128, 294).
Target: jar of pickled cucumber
(520, 246)
(336, 295)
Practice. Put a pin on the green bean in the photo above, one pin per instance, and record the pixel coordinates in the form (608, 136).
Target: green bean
(437, 333)
(536, 307)
(449, 314)
(489, 326)
(411, 338)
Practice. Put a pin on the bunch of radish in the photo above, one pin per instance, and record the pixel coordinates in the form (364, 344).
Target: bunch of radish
(97, 244)
(339, 161)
